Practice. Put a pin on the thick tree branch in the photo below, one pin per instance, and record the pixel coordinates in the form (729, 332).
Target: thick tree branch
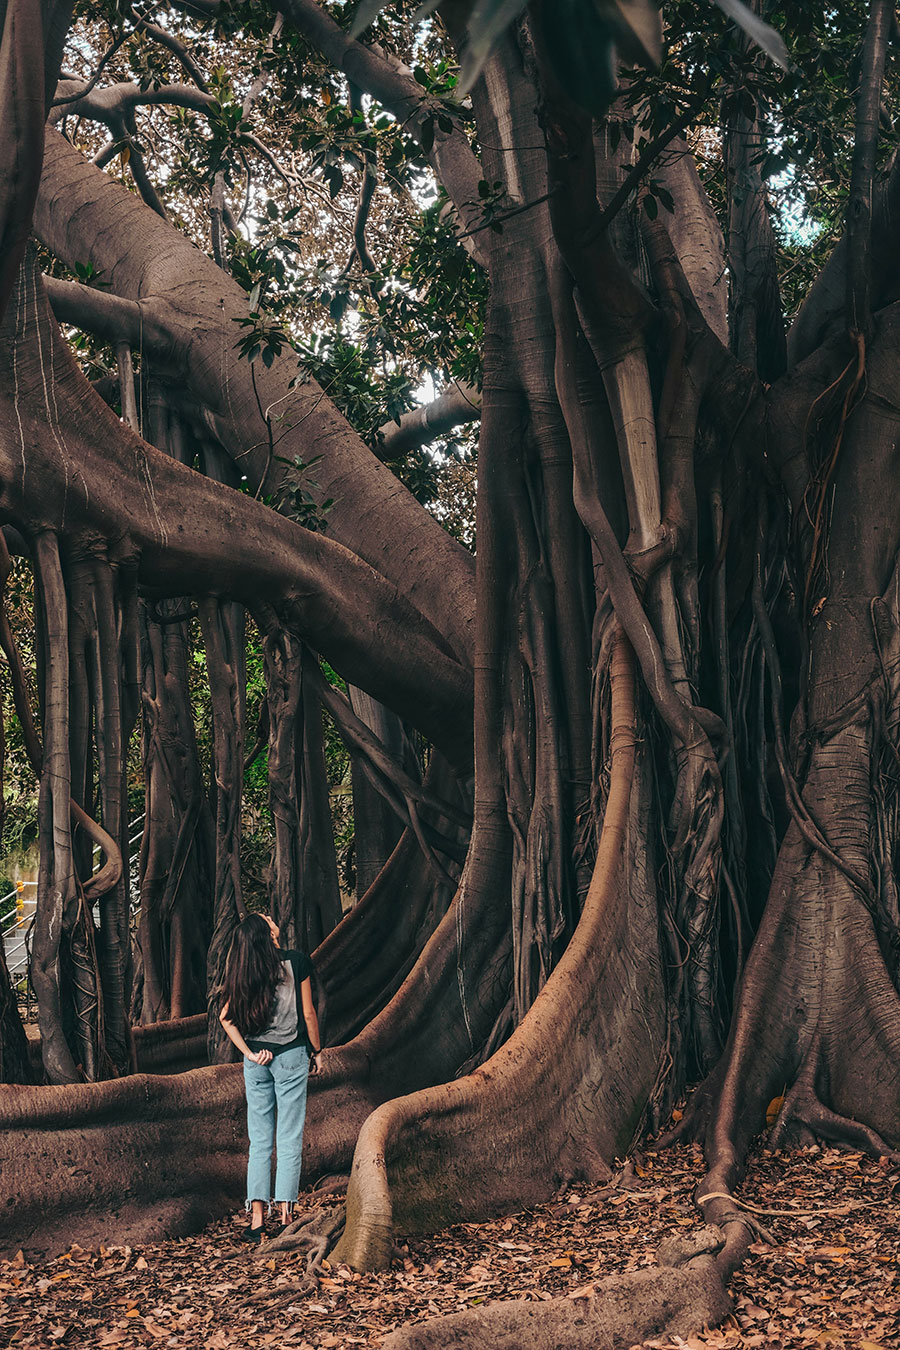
(145, 259)
(454, 407)
(111, 103)
(179, 49)
(696, 236)
(30, 53)
(650, 153)
(360, 220)
(824, 310)
(233, 546)
(105, 315)
(393, 85)
(756, 318)
(86, 87)
(209, 8)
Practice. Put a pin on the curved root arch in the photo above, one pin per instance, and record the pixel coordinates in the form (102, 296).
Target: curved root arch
(570, 1085)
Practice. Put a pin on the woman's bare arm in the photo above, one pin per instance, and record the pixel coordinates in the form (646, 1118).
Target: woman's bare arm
(309, 1015)
(231, 1031)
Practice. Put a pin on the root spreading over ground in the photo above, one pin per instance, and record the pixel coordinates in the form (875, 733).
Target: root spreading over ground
(830, 1276)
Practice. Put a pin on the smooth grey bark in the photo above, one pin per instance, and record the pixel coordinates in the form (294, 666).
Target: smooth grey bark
(460, 403)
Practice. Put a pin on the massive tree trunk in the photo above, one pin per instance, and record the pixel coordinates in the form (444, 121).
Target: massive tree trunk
(819, 1007)
(635, 673)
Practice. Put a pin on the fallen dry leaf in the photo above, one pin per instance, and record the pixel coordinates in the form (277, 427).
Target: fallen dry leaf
(830, 1280)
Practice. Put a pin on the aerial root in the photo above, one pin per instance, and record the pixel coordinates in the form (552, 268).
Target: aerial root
(329, 1184)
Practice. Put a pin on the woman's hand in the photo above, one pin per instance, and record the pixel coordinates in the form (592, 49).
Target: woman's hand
(314, 1061)
(262, 1057)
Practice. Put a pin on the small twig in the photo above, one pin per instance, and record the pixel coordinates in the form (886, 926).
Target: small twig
(650, 152)
(508, 215)
(104, 61)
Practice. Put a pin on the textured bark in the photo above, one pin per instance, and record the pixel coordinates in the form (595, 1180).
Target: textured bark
(187, 305)
(819, 1008)
(569, 1088)
(305, 895)
(177, 847)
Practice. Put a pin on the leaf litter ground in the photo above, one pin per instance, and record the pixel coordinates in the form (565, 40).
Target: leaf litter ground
(829, 1279)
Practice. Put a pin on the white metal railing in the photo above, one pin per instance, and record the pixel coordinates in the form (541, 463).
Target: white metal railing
(15, 927)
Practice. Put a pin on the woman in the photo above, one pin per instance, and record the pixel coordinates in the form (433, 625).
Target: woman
(265, 990)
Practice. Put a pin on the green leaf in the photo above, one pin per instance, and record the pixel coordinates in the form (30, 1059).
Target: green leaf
(763, 34)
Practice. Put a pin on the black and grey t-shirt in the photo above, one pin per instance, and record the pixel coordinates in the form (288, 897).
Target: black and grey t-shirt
(287, 1026)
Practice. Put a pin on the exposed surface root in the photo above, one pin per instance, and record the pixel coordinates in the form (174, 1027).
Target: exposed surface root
(804, 1112)
(675, 1298)
(312, 1235)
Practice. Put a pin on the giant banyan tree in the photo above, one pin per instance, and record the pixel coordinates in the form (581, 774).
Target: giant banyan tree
(654, 843)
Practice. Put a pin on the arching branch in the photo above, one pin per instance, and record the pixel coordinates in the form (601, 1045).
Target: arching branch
(198, 304)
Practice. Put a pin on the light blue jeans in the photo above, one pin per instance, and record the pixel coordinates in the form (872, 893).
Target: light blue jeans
(279, 1087)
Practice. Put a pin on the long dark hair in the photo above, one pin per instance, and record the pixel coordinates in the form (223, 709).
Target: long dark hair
(252, 973)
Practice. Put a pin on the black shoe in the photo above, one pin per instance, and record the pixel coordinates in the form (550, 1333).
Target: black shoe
(251, 1235)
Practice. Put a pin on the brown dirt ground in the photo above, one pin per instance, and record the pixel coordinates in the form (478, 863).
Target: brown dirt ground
(829, 1279)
